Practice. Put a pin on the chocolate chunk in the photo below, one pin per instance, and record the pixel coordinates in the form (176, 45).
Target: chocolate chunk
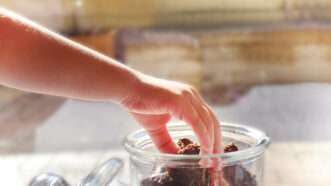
(237, 175)
(190, 149)
(188, 176)
(185, 176)
(162, 179)
(179, 176)
(183, 142)
(231, 148)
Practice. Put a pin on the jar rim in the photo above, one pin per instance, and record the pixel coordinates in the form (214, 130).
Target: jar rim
(254, 151)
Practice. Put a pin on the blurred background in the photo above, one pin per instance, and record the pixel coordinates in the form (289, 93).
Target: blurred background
(261, 63)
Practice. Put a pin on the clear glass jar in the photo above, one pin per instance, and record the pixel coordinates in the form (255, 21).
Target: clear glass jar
(244, 167)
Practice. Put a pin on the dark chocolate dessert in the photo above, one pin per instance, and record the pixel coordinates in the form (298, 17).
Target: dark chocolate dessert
(235, 175)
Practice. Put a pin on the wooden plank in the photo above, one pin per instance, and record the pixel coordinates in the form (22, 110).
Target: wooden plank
(102, 42)
(234, 61)
(166, 55)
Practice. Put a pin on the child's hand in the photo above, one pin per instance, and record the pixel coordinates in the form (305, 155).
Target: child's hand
(154, 101)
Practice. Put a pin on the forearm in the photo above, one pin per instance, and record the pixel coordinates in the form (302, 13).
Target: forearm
(35, 59)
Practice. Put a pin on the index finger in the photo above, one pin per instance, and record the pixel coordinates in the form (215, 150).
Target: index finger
(163, 140)
(155, 126)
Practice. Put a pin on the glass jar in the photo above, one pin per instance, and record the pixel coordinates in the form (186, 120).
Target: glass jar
(243, 167)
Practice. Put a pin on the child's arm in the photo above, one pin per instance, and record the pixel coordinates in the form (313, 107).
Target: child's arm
(35, 59)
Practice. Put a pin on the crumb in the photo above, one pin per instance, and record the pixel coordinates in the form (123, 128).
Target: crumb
(183, 142)
(190, 149)
(231, 148)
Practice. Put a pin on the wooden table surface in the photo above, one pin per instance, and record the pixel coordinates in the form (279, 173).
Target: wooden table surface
(287, 164)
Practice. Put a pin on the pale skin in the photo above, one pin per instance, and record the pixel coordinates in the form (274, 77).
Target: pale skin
(35, 59)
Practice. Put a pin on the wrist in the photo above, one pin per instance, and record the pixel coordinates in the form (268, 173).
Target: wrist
(131, 86)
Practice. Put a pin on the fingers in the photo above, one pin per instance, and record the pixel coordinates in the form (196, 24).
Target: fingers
(186, 104)
(162, 140)
(155, 125)
(191, 116)
(217, 162)
(206, 119)
(216, 125)
(217, 131)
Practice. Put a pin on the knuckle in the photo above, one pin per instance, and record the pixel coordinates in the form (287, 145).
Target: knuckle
(193, 89)
(178, 101)
(187, 92)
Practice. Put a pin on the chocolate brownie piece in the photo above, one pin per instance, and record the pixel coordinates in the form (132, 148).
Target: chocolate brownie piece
(235, 175)
(238, 176)
(189, 176)
(231, 148)
(181, 176)
(161, 179)
(190, 149)
(183, 142)
(185, 176)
